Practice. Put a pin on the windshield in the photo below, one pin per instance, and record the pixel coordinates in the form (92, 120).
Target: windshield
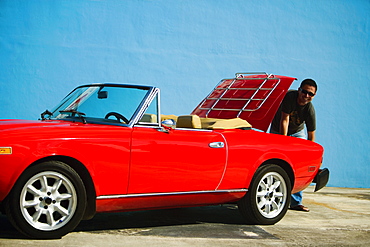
(102, 102)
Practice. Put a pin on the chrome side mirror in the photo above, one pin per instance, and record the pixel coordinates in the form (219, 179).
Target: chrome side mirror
(169, 123)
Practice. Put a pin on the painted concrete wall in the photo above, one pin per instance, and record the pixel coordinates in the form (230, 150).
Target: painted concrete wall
(185, 47)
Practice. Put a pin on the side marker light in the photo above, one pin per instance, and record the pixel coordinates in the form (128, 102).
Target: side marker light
(5, 150)
(311, 168)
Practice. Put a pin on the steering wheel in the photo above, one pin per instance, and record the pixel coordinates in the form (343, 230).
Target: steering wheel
(118, 116)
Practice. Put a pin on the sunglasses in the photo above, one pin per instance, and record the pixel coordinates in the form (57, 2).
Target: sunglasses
(306, 92)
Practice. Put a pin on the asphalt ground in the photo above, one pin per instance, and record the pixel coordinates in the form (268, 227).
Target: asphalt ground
(338, 217)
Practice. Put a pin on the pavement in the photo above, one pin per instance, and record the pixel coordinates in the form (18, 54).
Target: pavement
(337, 217)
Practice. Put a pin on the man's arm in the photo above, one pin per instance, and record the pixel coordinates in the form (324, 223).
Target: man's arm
(311, 135)
(284, 123)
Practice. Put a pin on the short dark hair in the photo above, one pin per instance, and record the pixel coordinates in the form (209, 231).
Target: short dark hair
(309, 82)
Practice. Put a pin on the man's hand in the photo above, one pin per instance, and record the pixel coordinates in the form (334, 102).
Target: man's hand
(311, 135)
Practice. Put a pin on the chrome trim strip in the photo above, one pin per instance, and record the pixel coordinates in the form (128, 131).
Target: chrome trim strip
(169, 194)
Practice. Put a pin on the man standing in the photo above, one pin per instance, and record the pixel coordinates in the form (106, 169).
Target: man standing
(295, 111)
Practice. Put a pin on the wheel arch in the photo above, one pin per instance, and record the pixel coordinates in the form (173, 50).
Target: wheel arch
(86, 179)
(263, 193)
(283, 164)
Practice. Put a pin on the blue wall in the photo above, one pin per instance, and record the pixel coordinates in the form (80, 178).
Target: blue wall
(185, 47)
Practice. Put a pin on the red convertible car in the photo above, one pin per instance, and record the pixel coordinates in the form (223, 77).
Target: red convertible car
(107, 148)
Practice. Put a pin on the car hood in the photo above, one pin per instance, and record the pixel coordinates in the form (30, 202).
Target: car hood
(18, 124)
(254, 98)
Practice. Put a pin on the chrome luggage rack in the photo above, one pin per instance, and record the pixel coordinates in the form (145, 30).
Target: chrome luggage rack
(259, 84)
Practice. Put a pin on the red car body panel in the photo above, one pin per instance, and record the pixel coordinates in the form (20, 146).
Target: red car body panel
(183, 155)
(247, 147)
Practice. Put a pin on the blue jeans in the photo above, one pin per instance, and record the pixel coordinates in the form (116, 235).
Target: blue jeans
(300, 134)
(296, 198)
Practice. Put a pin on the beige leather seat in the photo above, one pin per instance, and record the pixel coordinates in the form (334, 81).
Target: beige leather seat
(217, 123)
(189, 121)
(149, 118)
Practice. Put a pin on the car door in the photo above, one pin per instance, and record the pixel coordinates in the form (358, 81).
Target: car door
(178, 161)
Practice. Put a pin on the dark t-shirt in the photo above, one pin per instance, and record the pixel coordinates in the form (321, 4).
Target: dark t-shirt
(298, 115)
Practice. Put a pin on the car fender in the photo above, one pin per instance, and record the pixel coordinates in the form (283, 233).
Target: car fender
(32, 153)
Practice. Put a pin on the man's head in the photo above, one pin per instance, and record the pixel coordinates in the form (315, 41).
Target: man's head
(306, 91)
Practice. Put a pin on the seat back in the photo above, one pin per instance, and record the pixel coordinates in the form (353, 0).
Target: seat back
(149, 118)
(188, 121)
(218, 123)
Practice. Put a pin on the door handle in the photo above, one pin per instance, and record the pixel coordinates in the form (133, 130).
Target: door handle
(216, 145)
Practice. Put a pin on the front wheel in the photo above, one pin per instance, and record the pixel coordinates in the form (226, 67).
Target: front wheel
(268, 196)
(48, 201)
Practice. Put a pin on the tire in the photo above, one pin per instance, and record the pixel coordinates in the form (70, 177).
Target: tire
(268, 196)
(47, 201)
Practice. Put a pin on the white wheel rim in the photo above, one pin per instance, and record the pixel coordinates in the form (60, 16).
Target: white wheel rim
(48, 201)
(271, 195)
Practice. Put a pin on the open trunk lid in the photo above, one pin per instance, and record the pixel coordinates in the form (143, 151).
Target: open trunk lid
(254, 97)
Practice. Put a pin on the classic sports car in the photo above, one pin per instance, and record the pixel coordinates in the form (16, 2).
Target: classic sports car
(107, 148)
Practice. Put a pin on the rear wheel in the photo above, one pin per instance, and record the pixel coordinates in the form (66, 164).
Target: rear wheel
(268, 196)
(48, 201)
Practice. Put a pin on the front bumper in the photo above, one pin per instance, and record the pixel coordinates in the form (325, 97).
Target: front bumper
(321, 179)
